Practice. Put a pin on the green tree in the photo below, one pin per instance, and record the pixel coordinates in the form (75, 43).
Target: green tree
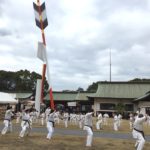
(20, 81)
(93, 87)
(120, 108)
(139, 80)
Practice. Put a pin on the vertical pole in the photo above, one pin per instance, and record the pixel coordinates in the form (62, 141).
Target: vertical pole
(38, 96)
(110, 65)
(44, 65)
(51, 98)
(43, 79)
(44, 42)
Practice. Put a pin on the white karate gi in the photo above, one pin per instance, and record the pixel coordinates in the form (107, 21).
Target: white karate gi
(115, 124)
(137, 129)
(18, 117)
(131, 121)
(47, 111)
(50, 125)
(66, 117)
(7, 121)
(88, 127)
(105, 119)
(25, 124)
(42, 116)
(99, 122)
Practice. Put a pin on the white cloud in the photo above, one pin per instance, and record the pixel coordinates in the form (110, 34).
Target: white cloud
(79, 36)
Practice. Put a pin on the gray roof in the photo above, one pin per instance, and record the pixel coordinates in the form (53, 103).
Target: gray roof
(122, 89)
(62, 96)
(145, 97)
(59, 96)
(83, 96)
(69, 96)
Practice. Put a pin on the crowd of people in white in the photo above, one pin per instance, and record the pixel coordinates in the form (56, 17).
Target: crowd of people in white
(51, 117)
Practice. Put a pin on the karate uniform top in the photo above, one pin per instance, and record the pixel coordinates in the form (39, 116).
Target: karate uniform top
(138, 123)
(8, 114)
(25, 116)
(18, 114)
(88, 119)
(115, 119)
(51, 117)
(120, 116)
(47, 111)
(99, 117)
(66, 116)
(42, 115)
(106, 115)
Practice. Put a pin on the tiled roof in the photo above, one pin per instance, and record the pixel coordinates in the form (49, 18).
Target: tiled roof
(122, 89)
(62, 96)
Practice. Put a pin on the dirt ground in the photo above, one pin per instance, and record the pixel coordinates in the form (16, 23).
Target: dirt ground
(38, 141)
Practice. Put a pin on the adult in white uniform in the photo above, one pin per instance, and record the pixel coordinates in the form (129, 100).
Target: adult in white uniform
(26, 123)
(47, 111)
(88, 127)
(18, 114)
(137, 132)
(131, 120)
(50, 123)
(119, 120)
(105, 119)
(7, 121)
(57, 119)
(42, 118)
(81, 120)
(99, 121)
(115, 123)
(66, 118)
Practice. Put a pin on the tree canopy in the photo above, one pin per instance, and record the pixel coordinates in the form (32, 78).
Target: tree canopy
(93, 87)
(25, 81)
(20, 81)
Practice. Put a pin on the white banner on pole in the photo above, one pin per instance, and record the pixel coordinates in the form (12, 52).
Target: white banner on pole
(42, 55)
(38, 95)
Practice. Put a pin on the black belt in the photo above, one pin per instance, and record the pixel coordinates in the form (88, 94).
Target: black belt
(27, 121)
(52, 123)
(89, 127)
(7, 119)
(140, 132)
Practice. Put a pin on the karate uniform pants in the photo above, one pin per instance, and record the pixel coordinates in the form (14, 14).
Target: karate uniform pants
(131, 125)
(115, 126)
(25, 127)
(140, 139)
(42, 121)
(18, 120)
(99, 124)
(80, 124)
(7, 125)
(66, 123)
(50, 129)
(89, 135)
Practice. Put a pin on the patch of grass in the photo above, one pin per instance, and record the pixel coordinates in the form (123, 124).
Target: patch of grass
(38, 141)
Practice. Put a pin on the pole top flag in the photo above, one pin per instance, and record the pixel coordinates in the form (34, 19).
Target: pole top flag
(42, 23)
(40, 15)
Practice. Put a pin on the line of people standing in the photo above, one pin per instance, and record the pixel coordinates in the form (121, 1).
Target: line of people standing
(84, 121)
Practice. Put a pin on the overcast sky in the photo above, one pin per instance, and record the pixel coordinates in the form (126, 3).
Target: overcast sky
(79, 37)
